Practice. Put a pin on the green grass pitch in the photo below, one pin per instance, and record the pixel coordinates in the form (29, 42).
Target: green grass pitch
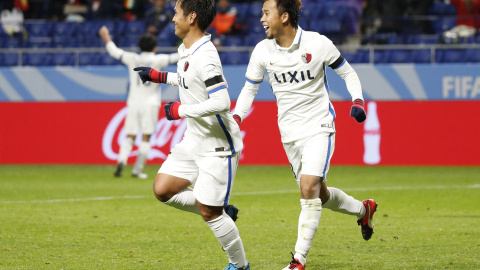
(81, 217)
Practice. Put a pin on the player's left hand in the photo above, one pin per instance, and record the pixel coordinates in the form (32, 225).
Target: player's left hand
(148, 74)
(171, 110)
(357, 111)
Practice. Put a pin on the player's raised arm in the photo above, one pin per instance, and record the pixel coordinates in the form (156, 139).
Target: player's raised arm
(112, 49)
(148, 74)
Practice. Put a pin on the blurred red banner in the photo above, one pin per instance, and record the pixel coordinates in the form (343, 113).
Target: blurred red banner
(395, 133)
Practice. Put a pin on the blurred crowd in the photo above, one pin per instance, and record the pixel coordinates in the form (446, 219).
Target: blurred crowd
(369, 17)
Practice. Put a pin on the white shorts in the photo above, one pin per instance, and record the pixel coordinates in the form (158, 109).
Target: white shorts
(142, 118)
(211, 176)
(311, 156)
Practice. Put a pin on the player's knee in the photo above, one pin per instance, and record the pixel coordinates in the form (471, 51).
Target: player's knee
(310, 187)
(210, 212)
(161, 193)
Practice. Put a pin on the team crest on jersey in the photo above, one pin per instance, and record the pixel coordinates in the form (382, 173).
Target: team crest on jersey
(186, 66)
(306, 58)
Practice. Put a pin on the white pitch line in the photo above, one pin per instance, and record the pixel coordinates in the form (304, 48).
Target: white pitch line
(265, 192)
(78, 199)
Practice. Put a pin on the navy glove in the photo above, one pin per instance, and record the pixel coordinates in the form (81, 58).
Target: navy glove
(151, 75)
(357, 111)
(171, 110)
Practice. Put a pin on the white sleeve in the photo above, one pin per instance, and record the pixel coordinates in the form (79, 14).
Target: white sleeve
(114, 51)
(163, 60)
(351, 79)
(254, 76)
(173, 58)
(245, 99)
(172, 78)
(218, 102)
(256, 65)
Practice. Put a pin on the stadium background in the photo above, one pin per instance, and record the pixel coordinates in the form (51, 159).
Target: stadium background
(62, 98)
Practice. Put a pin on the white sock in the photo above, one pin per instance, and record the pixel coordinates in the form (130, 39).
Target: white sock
(339, 201)
(142, 157)
(227, 234)
(307, 227)
(185, 201)
(125, 150)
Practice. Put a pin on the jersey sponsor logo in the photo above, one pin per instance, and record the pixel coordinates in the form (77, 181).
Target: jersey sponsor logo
(185, 67)
(294, 76)
(306, 57)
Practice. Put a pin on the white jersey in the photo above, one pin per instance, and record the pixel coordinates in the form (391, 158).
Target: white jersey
(141, 94)
(298, 78)
(211, 129)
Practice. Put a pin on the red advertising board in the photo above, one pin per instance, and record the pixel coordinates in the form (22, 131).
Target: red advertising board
(402, 133)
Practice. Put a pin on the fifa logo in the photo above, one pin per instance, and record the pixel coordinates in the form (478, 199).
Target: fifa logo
(293, 76)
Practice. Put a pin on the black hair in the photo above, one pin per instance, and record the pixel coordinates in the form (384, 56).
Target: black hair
(206, 11)
(292, 7)
(147, 42)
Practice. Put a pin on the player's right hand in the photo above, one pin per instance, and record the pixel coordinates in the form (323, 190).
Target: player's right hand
(148, 74)
(237, 119)
(103, 31)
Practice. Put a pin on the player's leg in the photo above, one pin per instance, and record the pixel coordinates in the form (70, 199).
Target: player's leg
(175, 191)
(142, 156)
(148, 120)
(123, 154)
(338, 201)
(212, 190)
(132, 127)
(309, 159)
(173, 181)
(310, 215)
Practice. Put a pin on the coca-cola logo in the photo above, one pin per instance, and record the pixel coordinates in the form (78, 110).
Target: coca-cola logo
(166, 135)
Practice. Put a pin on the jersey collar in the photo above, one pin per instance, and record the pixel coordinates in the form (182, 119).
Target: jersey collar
(199, 43)
(296, 40)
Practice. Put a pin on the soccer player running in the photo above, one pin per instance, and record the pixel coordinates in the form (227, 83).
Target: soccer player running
(143, 100)
(207, 157)
(296, 61)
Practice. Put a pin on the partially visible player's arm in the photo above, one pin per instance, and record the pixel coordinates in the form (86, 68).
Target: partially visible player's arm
(173, 58)
(112, 49)
(148, 74)
(245, 99)
(254, 76)
(162, 60)
(217, 102)
(348, 74)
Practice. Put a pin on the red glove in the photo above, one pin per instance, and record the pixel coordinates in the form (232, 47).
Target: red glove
(237, 119)
(171, 110)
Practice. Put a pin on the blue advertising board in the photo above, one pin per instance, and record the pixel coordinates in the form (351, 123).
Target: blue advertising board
(110, 83)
